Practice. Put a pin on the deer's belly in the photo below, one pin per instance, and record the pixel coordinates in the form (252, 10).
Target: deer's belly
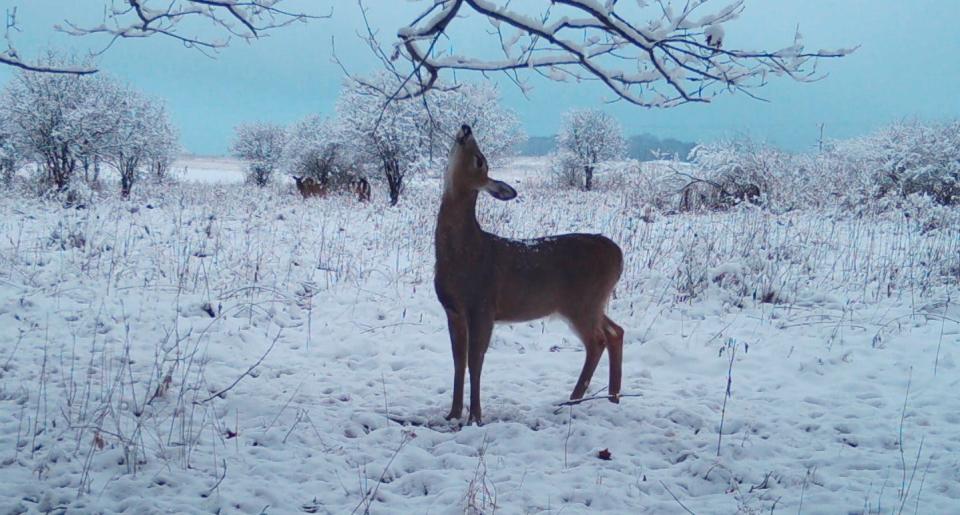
(521, 305)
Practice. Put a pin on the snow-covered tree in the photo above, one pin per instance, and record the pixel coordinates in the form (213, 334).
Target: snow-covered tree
(58, 119)
(165, 145)
(403, 136)
(261, 146)
(588, 138)
(389, 135)
(496, 128)
(143, 138)
(317, 150)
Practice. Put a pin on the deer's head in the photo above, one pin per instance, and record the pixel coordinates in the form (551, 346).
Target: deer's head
(467, 169)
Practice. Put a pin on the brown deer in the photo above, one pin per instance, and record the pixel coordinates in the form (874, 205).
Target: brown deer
(362, 188)
(310, 187)
(482, 278)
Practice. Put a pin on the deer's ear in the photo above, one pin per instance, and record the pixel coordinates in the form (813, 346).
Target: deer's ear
(499, 190)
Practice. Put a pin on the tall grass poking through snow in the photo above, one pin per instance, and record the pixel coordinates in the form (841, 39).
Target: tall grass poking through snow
(192, 260)
(749, 254)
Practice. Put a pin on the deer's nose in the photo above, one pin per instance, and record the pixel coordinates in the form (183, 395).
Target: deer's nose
(465, 132)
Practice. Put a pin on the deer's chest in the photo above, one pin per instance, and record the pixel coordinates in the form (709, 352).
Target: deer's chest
(463, 276)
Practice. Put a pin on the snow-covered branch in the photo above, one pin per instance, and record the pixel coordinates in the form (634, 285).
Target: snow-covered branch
(243, 19)
(649, 54)
(205, 25)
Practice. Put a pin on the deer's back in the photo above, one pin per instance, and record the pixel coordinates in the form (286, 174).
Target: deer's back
(563, 274)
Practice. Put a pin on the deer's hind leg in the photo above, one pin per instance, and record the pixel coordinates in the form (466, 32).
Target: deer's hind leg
(613, 339)
(591, 334)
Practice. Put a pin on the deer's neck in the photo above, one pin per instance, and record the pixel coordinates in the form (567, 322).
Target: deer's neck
(457, 224)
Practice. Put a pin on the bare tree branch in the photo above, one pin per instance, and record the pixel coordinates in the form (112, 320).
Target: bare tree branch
(661, 59)
(244, 19)
(129, 19)
(10, 57)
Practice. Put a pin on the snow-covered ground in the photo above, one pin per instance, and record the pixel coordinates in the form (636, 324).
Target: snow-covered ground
(220, 348)
(209, 169)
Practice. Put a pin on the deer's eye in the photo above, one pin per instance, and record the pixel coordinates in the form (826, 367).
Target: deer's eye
(479, 161)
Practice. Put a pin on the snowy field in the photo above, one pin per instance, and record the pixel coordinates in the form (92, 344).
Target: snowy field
(208, 169)
(216, 348)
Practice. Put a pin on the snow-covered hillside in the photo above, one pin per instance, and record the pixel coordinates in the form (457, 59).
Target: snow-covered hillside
(218, 348)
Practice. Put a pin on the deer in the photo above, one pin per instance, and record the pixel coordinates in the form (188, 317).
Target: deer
(310, 187)
(481, 279)
(362, 188)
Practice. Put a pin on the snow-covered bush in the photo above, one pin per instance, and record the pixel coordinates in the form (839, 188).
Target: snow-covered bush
(58, 119)
(261, 146)
(587, 138)
(564, 170)
(315, 149)
(10, 155)
(143, 139)
(733, 171)
(894, 163)
(165, 146)
(910, 158)
(647, 185)
(68, 124)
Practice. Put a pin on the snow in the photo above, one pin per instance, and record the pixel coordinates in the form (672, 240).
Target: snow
(209, 169)
(842, 399)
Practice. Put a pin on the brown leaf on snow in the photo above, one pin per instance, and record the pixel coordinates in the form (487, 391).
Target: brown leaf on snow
(605, 455)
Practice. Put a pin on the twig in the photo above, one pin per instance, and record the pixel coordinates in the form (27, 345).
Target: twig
(803, 490)
(373, 494)
(567, 439)
(688, 510)
(936, 361)
(732, 345)
(246, 373)
(581, 400)
(220, 480)
(903, 413)
(906, 494)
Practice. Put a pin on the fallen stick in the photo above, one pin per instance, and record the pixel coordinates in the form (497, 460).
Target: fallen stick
(581, 400)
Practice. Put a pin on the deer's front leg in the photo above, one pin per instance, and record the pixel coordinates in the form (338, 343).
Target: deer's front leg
(457, 325)
(481, 327)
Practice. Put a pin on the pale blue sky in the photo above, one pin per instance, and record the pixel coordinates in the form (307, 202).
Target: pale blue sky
(907, 67)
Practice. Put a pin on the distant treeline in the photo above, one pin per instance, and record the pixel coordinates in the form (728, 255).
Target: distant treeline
(641, 147)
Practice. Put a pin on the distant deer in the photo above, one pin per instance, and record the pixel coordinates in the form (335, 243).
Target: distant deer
(482, 278)
(362, 188)
(310, 187)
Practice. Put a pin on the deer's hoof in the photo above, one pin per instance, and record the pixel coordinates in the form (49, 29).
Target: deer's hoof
(474, 419)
